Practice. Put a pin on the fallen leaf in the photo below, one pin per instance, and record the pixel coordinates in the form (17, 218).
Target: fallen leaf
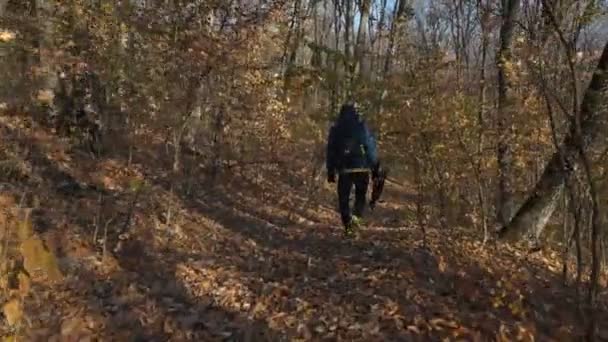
(442, 265)
(442, 323)
(7, 36)
(414, 329)
(320, 329)
(24, 284)
(304, 331)
(72, 327)
(13, 311)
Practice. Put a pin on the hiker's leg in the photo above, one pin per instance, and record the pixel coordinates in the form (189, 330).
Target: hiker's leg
(345, 184)
(361, 181)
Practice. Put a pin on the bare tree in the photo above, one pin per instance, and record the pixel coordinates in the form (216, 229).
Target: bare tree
(362, 38)
(399, 15)
(540, 204)
(504, 153)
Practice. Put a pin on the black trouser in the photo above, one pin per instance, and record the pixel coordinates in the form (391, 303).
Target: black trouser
(345, 184)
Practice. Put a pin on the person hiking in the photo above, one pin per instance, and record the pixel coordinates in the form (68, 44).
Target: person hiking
(352, 154)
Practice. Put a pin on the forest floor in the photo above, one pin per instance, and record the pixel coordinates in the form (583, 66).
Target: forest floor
(255, 258)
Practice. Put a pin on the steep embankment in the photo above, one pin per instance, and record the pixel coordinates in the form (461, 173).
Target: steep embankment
(252, 258)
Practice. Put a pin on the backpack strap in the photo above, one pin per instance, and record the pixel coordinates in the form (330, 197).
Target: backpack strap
(355, 170)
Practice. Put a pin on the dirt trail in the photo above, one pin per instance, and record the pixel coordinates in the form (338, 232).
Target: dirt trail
(248, 261)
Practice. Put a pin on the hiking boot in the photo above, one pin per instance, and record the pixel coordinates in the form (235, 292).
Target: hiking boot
(356, 223)
(352, 227)
(349, 231)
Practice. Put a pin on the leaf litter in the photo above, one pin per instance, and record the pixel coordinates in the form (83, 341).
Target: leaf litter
(239, 271)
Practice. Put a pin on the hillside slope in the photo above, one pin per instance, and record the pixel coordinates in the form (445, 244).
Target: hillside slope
(254, 258)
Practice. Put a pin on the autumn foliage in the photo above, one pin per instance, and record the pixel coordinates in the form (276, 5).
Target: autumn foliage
(161, 170)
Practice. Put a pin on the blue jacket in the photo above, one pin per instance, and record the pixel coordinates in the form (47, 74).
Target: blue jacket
(351, 147)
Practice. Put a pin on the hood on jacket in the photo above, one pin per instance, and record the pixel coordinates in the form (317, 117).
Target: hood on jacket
(348, 115)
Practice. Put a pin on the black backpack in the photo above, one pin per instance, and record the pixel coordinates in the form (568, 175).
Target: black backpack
(352, 143)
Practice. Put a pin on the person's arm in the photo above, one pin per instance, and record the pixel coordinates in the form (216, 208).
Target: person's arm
(331, 154)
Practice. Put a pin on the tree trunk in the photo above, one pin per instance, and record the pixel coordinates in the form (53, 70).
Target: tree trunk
(595, 253)
(362, 38)
(218, 135)
(3, 4)
(420, 213)
(440, 183)
(335, 96)
(291, 45)
(348, 60)
(579, 252)
(484, 16)
(540, 204)
(504, 154)
(376, 41)
(398, 19)
(348, 24)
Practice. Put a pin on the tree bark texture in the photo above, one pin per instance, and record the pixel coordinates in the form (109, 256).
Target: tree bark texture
(504, 153)
(542, 201)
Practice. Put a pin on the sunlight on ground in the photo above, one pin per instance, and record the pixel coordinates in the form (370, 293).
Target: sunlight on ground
(230, 263)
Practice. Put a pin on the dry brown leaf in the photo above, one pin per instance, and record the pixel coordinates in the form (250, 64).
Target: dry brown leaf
(39, 334)
(4, 282)
(442, 265)
(24, 284)
(304, 331)
(440, 323)
(414, 329)
(502, 335)
(32, 251)
(36, 257)
(525, 333)
(168, 326)
(13, 311)
(461, 331)
(71, 327)
(25, 229)
(6, 202)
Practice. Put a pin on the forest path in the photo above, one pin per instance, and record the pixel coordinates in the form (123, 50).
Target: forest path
(250, 259)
